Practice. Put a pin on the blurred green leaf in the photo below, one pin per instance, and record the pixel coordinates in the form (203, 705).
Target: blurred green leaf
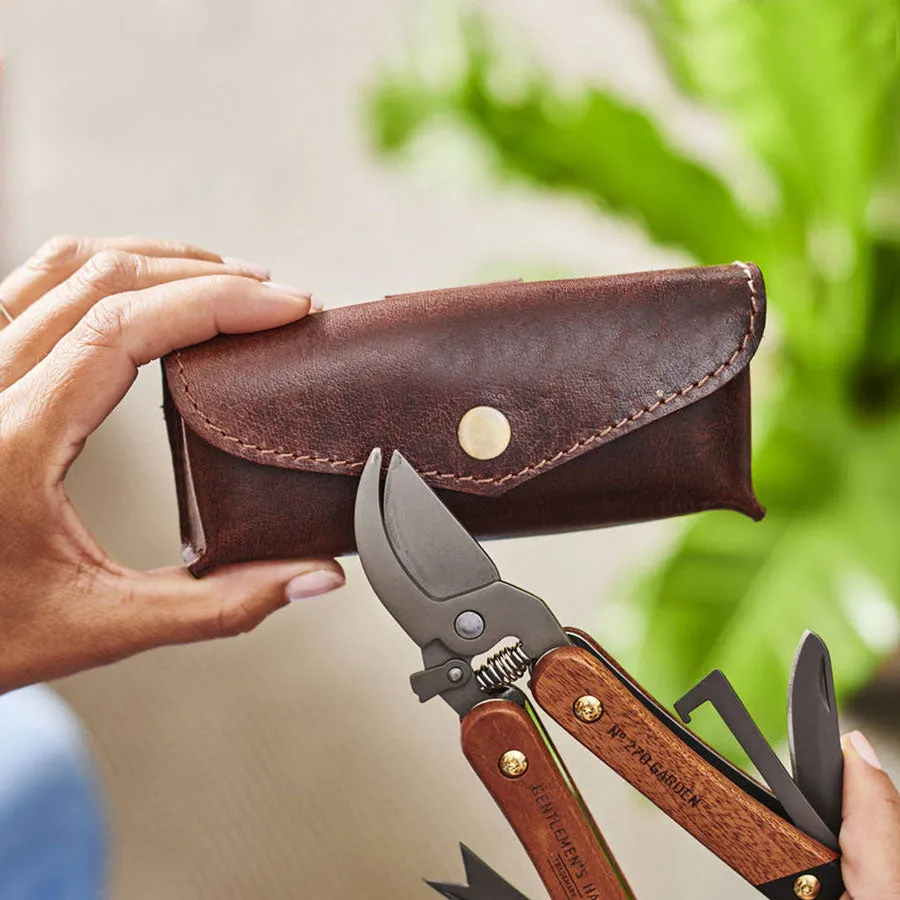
(397, 111)
(591, 144)
(811, 86)
(805, 81)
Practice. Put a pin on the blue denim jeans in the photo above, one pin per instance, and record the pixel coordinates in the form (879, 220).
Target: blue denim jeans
(52, 825)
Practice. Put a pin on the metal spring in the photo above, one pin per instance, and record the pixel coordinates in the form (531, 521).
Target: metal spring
(502, 668)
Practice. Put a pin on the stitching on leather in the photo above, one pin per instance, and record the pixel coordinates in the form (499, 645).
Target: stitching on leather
(275, 453)
(278, 453)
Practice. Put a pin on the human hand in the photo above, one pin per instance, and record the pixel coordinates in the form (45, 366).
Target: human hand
(85, 315)
(870, 833)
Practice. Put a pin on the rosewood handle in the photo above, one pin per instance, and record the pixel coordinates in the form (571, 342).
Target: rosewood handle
(541, 803)
(748, 836)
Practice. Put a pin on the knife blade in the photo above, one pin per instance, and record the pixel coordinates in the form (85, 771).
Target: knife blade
(813, 733)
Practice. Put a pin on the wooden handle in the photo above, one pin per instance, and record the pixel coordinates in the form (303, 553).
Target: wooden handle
(748, 836)
(541, 802)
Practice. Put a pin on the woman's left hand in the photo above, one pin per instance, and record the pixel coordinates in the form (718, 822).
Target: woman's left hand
(85, 315)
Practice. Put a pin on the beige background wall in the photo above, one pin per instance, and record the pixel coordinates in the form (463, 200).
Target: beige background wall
(295, 762)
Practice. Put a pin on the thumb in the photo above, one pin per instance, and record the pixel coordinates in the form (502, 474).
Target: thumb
(175, 608)
(870, 832)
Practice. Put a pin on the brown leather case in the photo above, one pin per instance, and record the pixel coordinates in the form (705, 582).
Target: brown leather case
(628, 398)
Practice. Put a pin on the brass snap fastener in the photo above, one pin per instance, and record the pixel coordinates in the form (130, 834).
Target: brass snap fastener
(484, 432)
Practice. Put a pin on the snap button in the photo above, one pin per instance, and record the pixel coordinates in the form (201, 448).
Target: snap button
(484, 432)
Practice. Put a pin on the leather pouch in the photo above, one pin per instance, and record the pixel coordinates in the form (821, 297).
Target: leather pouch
(623, 398)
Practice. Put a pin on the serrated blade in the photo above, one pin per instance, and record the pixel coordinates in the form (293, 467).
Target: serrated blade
(813, 732)
(484, 882)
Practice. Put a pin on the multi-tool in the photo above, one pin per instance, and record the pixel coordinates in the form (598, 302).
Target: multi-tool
(446, 593)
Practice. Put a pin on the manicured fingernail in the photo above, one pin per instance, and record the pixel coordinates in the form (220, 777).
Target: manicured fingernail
(317, 305)
(288, 289)
(865, 750)
(247, 266)
(312, 584)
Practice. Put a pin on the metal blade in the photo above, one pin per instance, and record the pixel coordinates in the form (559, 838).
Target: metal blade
(397, 591)
(435, 580)
(428, 540)
(715, 688)
(813, 733)
(483, 882)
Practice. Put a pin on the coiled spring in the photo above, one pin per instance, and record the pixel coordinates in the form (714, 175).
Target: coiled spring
(502, 668)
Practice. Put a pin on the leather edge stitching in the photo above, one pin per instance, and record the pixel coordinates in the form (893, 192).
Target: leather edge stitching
(577, 447)
(275, 453)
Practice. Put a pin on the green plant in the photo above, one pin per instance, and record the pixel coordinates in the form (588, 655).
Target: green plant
(812, 90)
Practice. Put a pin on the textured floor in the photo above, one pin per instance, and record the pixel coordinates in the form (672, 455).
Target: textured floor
(295, 762)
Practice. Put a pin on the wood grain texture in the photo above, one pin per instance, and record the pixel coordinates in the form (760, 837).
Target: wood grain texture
(756, 842)
(542, 805)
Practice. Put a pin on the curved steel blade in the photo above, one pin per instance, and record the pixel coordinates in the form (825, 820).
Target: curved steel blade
(484, 882)
(443, 558)
(395, 588)
(813, 732)
(439, 585)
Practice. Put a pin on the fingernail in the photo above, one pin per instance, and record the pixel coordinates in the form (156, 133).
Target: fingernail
(312, 584)
(865, 750)
(288, 289)
(247, 266)
(317, 305)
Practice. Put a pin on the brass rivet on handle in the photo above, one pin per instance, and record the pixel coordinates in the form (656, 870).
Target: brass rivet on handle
(484, 432)
(587, 708)
(807, 887)
(513, 763)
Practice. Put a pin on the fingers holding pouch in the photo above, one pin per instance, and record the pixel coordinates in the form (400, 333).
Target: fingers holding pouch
(109, 272)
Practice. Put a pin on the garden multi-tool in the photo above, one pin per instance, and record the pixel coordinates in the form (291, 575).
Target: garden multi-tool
(446, 593)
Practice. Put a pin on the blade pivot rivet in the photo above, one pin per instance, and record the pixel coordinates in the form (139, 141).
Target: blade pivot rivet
(587, 708)
(469, 625)
(455, 674)
(807, 887)
(513, 763)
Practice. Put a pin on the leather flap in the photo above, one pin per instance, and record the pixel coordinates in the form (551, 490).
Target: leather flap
(572, 364)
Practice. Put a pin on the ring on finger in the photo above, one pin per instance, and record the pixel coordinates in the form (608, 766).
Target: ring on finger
(5, 313)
